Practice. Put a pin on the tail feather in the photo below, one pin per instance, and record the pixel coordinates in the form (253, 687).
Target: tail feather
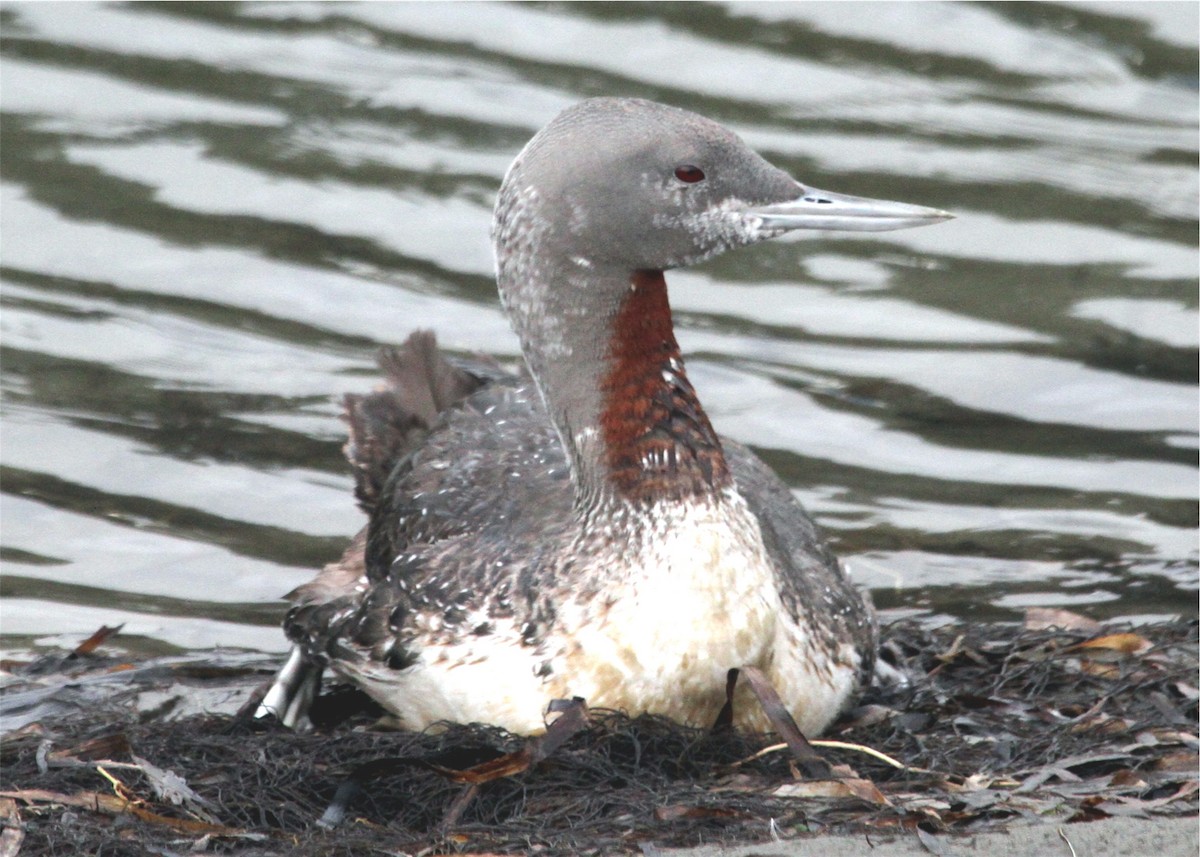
(385, 425)
(395, 419)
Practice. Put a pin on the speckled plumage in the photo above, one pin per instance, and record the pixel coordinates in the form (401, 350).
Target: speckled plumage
(582, 530)
(484, 553)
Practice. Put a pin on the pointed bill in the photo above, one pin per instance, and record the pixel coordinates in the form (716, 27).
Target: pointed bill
(822, 209)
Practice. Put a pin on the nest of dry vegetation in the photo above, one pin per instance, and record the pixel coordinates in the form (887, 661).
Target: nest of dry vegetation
(998, 724)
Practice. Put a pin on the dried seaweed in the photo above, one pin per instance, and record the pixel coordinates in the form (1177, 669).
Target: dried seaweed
(996, 724)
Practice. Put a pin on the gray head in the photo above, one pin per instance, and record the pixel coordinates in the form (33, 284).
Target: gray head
(633, 184)
(641, 185)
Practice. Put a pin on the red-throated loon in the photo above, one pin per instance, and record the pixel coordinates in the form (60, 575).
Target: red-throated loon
(583, 531)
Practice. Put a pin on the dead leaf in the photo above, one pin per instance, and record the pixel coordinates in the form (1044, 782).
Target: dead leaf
(1185, 790)
(1099, 669)
(106, 748)
(96, 640)
(1102, 724)
(930, 807)
(1126, 779)
(1089, 810)
(1183, 762)
(843, 772)
(1062, 770)
(28, 729)
(1166, 735)
(12, 833)
(1170, 711)
(1045, 618)
(933, 844)
(978, 801)
(864, 790)
(1127, 643)
(975, 782)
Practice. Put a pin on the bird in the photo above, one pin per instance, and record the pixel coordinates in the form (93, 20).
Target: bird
(578, 528)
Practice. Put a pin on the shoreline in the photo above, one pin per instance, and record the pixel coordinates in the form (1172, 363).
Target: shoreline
(1110, 837)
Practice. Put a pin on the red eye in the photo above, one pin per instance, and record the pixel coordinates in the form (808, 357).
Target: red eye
(689, 173)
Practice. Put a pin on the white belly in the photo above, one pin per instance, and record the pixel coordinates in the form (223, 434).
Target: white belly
(691, 599)
(704, 600)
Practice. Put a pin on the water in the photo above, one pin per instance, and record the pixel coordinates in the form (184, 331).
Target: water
(213, 215)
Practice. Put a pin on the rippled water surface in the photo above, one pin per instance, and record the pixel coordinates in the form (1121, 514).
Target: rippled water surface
(212, 216)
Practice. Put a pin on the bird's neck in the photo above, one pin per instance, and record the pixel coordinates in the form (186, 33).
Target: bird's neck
(601, 346)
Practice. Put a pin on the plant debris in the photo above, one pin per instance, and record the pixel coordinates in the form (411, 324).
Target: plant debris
(1063, 719)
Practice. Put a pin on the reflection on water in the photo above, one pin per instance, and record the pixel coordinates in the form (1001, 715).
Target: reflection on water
(212, 215)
